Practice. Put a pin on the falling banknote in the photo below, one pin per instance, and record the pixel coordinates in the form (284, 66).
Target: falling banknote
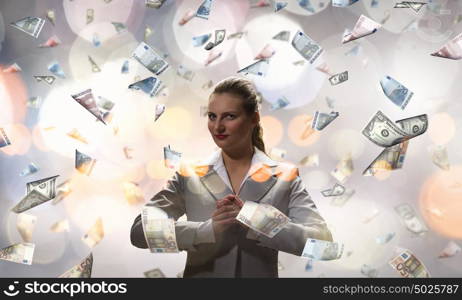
(336, 190)
(410, 219)
(62, 191)
(415, 6)
(280, 103)
(277, 6)
(82, 270)
(152, 61)
(87, 100)
(306, 5)
(56, 69)
(340, 200)
(391, 158)
(311, 160)
(266, 52)
(237, 35)
(4, 141)
(344, 169)
(322, 250)
(47, 79)
(160, 108)
(119, 27)
(148, 85)
(343, 3)
(363, 27)
(204, 9)
(171, 158)
(263, 218)
(339, 78)
(37, 192)
(30, 169)
(21, 253)
(383, 132)
(450, 250)
(213, 55)
(51, 16)
(25, 224)
(259, 68)
(51, 42)
(133, 193)
(321, 120)
(185, 73)
(94, 67)
(408, 265)
(396, 92)
(84, 163)
(159, 230)
(219, 38)
(201, 39)
(282, 36)
(440, 157)
(154, 3)
(452, 49)
(30, 25)
(95, 234)
(306, 46)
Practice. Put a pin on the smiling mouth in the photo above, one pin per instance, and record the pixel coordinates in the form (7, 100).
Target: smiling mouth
(221, 136)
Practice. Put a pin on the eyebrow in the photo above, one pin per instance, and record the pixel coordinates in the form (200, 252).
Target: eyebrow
(226, 112)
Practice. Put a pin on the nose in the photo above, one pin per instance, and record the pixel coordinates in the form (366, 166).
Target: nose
(218, 127)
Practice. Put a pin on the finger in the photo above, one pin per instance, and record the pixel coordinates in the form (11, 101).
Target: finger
(225, 215)
(222, 209)
(224, 201)
(239, 202)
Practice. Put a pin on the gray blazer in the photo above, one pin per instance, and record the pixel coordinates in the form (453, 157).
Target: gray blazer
(238, 252)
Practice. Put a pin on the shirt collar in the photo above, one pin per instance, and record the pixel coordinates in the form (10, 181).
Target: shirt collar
(259, 158)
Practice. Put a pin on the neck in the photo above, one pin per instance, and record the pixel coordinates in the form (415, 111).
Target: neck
(240, 157)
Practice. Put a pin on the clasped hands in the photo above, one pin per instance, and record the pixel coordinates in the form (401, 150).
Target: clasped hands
(225, 215)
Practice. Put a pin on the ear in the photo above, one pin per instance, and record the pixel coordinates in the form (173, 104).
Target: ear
(256, 118)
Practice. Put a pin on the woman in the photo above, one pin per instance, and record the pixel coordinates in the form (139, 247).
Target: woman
(213, 193)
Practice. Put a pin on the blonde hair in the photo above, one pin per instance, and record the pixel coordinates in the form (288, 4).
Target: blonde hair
(245, 90)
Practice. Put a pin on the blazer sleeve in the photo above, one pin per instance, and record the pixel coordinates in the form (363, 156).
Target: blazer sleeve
(305, 222)
(185, 231)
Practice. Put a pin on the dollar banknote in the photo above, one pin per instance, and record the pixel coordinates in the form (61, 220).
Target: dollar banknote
(56, 70)
(263, 218)
(132, 192)
(4, 140)
(237, 35)
(452, 49)
(95, 234)
(282, 36)
(51, 16)
(148, 31)
(396, 92)
(277, 6)
(414, 5)
(60, 226)
(37, 192)
(277, 154)
(408, 265)
(21, 253)
(29, 170)
(53, 41)
(159, 230)
(342, 199)
(30, 25)
(306, 5)
(201, 39)
(26, 224)
(336, 190)
(363, 27)
(385, 238)
(125, 67)
(219, 36)
(188, 15)
(47, 79)
(204, 9)
(14, 68)
(343, 3)
(321, 120)
(344, 169)
(119, 27)
(310, 160)
(383, 132)
(152, 61)
(369, 271)
(171, 158)
(299, 63)
(213, 55)
(90, 15)
(338, 78)
(154, 273)
(280, 103)
(259, 68)
(450, 250)
(391, 158)
(160, 108)
(440, 157)
(410, 219)
(154, 3)
(84, 163)
(265, 53)
(82, 270)
(150, 86)
(185, 73)
(94, 67)
(322, 250)
(62, 191)
(306, 46)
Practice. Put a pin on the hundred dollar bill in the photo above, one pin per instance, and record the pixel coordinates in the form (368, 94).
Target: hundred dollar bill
(415, 6)
(160, 108)
(259, 68)
(204, 9)
(410, 219)
(450, 250)
(51, 16)
(159, 230)
(391, 158)
(171, 158)
(408, 265)
(266, 52)
(369, 271)
(280, 103)
(60, 226)
(95, 234)
(282, 36)
(152, 61)
(440, 157)
(21, 253)
(185, 73)
(322, 250)
(321, 120)
(37, 192)
(263, 218)
(306, 46)
(47, 79)
(30, 169)
(56, 69)
(201, 39)
(383, 132)
(25, 224)
(339, 78)
(396, 92)
(90, 15)
(4, 140)
(82, 270)
(84, 163)
(219, 37)
(452, 49)
(344, 169)
(343, 198)
(154, 273)
(87, 100)
(30, 25)
(343, 3)
(306, 4)
(363, 27)
(148, 85)
(154, 3)
(336, 190)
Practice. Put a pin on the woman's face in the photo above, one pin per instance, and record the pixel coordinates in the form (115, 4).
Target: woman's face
(230, 126)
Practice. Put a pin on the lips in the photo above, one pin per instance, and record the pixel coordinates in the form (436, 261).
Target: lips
(221, 136)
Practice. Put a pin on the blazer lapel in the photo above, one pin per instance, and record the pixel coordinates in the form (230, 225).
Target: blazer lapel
(258, 184)
(215, 185)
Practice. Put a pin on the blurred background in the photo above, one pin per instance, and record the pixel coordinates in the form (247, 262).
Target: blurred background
(46, 125)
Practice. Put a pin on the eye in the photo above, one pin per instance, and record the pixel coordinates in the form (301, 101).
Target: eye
(231, 116)
(212, 117)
